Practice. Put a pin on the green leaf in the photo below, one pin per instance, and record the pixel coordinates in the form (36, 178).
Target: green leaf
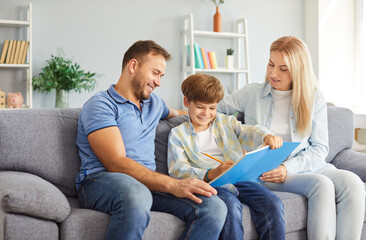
(62, 73)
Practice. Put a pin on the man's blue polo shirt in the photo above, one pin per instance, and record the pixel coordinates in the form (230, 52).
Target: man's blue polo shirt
(107, 109)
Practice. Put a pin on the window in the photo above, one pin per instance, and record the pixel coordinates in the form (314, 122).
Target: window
(361, 53)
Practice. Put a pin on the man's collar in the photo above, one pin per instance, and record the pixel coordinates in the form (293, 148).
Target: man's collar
(115, 95)
(120, 99)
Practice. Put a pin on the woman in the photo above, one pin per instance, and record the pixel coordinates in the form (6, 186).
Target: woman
(290, 104)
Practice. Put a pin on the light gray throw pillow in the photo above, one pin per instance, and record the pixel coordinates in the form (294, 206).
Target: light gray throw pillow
(28, 194)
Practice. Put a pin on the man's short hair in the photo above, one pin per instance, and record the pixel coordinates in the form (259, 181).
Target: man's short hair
(203, 88)
(142, 48)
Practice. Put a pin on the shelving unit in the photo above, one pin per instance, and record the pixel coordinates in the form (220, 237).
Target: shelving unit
(28, 66)
(241, 55)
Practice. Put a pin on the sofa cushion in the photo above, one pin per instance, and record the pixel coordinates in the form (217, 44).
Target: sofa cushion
(161, 141)
(87, 224)
(27, 194)
(340, 130)
(42, 142)
(90, 224)
(22, 227)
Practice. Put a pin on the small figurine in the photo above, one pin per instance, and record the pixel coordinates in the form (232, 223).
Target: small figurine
(15, 100)
(2, 99)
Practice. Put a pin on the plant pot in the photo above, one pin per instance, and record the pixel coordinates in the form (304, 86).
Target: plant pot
(229, 61)
(62, 98)
(217, 21)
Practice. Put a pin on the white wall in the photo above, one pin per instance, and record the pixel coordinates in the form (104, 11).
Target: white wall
(97, 33)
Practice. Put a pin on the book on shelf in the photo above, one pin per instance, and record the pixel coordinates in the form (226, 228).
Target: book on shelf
(13, 52)
(10, 49)
(212, 59)
(254, 164)
(198, 57)
(25, 51)
(21, 52)
(188, 55)
(203, 52)
(208, 60)
(5, 50)
(17, 50)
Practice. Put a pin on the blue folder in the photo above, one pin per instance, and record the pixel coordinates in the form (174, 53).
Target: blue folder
(254, 164)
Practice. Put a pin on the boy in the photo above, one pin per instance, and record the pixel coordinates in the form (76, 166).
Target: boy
(224, 138)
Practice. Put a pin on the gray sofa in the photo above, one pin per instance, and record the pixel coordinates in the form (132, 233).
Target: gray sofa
(39, 161)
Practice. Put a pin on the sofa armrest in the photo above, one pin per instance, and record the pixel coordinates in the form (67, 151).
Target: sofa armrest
(352, 161)
(28, 194)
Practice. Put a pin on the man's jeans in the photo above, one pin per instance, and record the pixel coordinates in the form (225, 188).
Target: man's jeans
(129, 202)
(266, 210)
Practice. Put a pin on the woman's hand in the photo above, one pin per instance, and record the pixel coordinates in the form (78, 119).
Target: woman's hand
(273, 141)
(213, 173)
(277, 175)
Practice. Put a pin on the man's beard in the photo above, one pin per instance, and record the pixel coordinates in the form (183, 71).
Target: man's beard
(138, 88)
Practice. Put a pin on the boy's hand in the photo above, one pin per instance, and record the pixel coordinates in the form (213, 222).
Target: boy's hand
(273, 141)
(213, 173)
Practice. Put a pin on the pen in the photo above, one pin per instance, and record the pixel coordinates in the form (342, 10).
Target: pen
(211, 157)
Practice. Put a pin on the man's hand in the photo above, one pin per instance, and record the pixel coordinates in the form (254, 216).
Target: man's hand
(273, 141)
(277, 175)
(176, 112)
(187, 188)
(213, 173)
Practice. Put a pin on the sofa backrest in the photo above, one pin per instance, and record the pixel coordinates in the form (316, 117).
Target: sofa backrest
(161, 141)
(41, 142)
(340, 130)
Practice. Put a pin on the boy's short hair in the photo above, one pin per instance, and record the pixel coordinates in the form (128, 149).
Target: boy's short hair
(142, 48)
(202, 88)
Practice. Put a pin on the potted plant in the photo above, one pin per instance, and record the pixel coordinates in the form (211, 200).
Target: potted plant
(63, 75)
(229, 58)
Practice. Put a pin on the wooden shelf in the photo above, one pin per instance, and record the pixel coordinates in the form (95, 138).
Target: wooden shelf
(218, 70)
(28, 98)
(14, 65)
(240, 42)
(216, 34)
(14, 23)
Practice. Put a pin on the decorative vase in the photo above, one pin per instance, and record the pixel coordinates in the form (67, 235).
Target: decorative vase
(62, 98)
(217, 21)
(229, 63)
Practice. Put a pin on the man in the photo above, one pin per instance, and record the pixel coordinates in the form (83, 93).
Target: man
(116, 145)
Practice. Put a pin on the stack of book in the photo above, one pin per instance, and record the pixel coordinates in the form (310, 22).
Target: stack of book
(14, 52)
(203, 59)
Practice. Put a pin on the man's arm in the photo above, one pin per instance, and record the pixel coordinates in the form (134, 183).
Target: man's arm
(175, 112)
(107, 144)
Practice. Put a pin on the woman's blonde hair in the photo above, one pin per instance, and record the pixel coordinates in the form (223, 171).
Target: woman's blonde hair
(298, 61)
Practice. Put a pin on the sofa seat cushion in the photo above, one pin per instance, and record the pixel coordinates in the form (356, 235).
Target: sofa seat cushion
(28, 194)
(89, 224)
